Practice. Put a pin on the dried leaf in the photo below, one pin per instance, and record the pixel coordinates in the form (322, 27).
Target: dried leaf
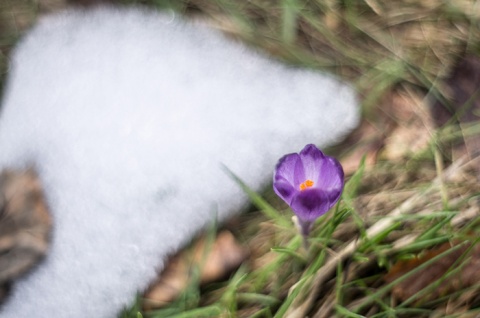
(25, 224)
(410, 286)
(224, 256)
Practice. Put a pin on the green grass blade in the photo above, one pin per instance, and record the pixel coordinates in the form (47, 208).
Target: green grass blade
(289, 19)
(259, 202)
(209, 311)
(352, 185)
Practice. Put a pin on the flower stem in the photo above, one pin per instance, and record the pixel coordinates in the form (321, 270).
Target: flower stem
(304, 228)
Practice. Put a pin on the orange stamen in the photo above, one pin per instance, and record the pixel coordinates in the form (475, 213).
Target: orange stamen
(307, 184)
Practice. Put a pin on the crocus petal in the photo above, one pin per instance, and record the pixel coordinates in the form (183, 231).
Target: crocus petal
(285, 168)
(311, 158)
(299, 174)
(330, 175)
(310, 204)
(313, 203)
(334, 195)
(284, 189)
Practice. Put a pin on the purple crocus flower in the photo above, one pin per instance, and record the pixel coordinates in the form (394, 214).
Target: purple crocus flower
(310, 183)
